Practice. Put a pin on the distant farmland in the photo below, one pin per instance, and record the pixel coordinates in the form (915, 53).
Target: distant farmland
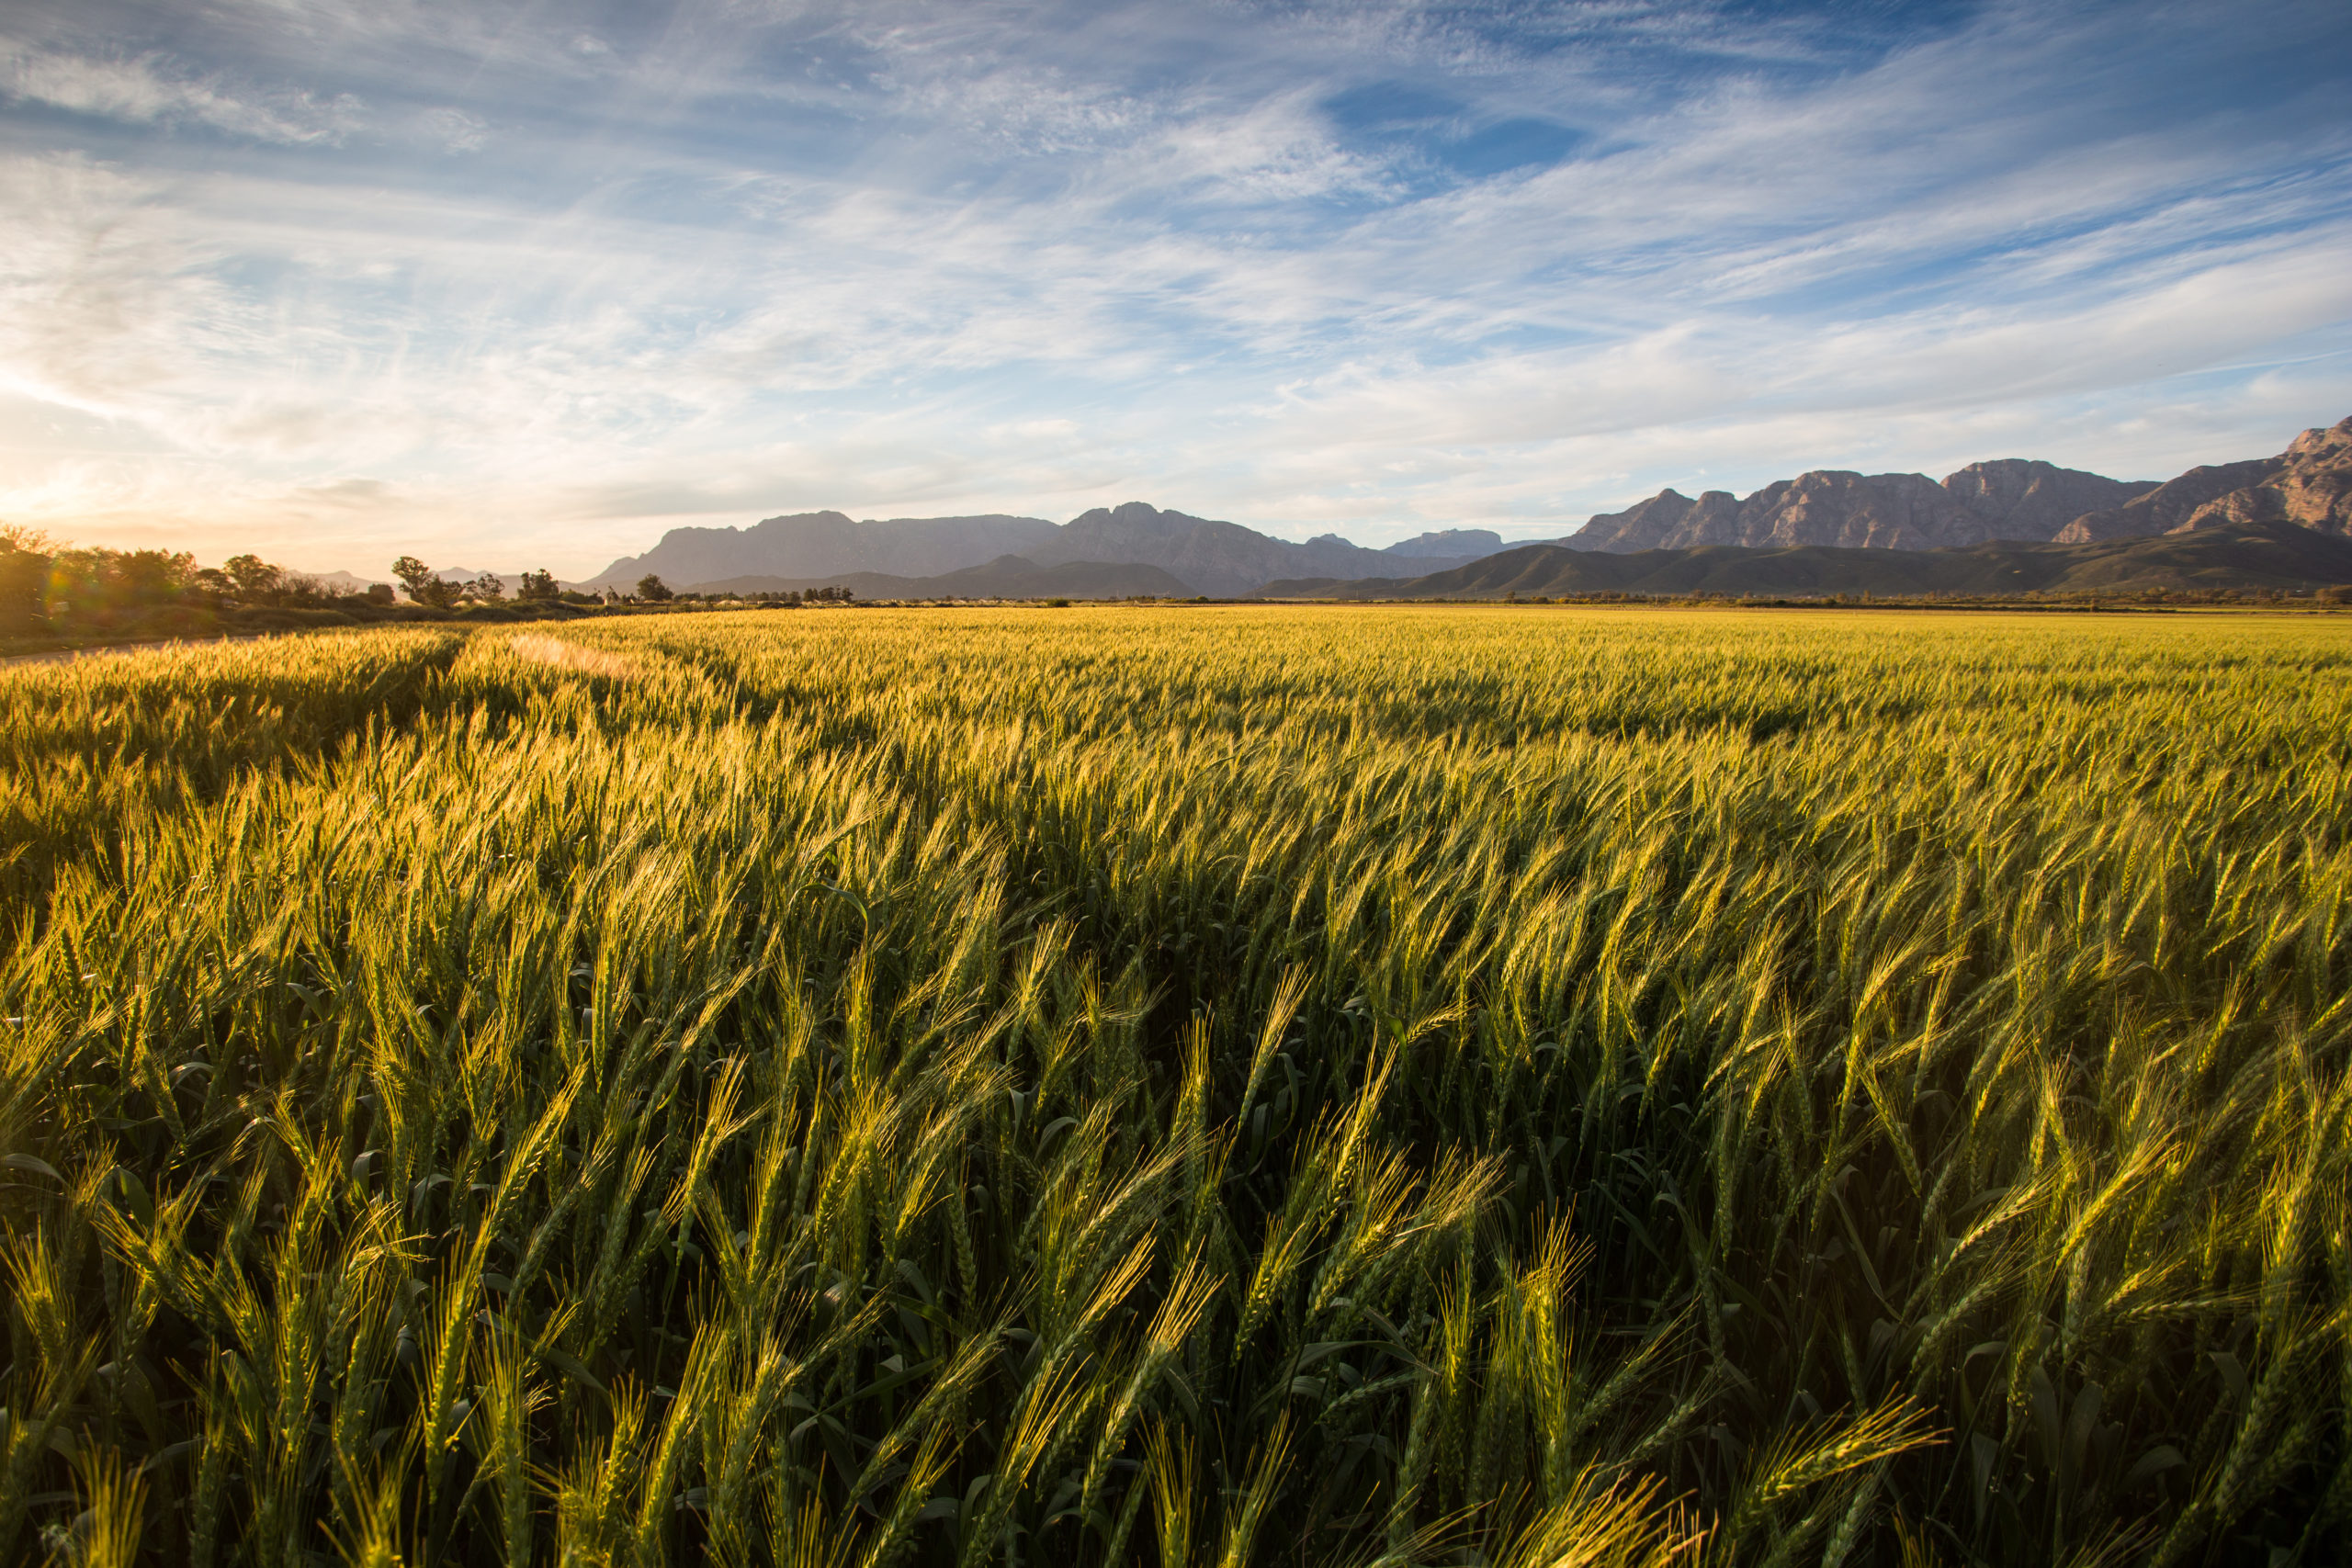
(1224, 1086)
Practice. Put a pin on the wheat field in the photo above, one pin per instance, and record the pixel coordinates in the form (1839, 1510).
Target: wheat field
(1519, 1087)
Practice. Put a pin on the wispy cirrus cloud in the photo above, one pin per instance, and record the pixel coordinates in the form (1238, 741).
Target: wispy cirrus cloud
(153, 89)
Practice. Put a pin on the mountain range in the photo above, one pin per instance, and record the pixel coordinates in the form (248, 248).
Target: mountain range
(1825, 531)
(1203, 555)
(2012, 498)
(2016, 499)
(1007, 577)
(2262, 555)
(2003, 527)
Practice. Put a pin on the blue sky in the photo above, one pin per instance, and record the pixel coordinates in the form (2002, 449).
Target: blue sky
(524, 284)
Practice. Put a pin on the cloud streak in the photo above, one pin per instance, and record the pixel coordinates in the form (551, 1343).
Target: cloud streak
(148, 90)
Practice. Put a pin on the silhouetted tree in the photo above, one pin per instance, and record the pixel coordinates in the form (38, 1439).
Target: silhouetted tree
(255, 579)
(151, 577)
(653, 589)
(418, 579)
(24, 573)
(538, 585)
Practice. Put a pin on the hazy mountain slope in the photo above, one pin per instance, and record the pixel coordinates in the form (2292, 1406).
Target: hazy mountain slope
(1457, 544)
(350, 582)
(1222, 558)
(1007, 577)
(815, 547)
(829, 544)
(2260, 555)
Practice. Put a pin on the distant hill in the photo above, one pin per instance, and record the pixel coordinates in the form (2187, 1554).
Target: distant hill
(344, 581)
(816, 547)
(1220, 558)
(2243, 556)
(1007, 577)
(1471, 543)
(351, 583)
(819, 546)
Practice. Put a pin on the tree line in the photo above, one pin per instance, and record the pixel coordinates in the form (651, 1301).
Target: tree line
(48, 586)
(426, 587)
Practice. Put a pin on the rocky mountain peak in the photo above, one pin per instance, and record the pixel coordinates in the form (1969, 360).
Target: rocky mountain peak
(1824, 506)
(1128, 514)
(2309, 485)
(2009, 498)
(2322, 443)
(2023, 498)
